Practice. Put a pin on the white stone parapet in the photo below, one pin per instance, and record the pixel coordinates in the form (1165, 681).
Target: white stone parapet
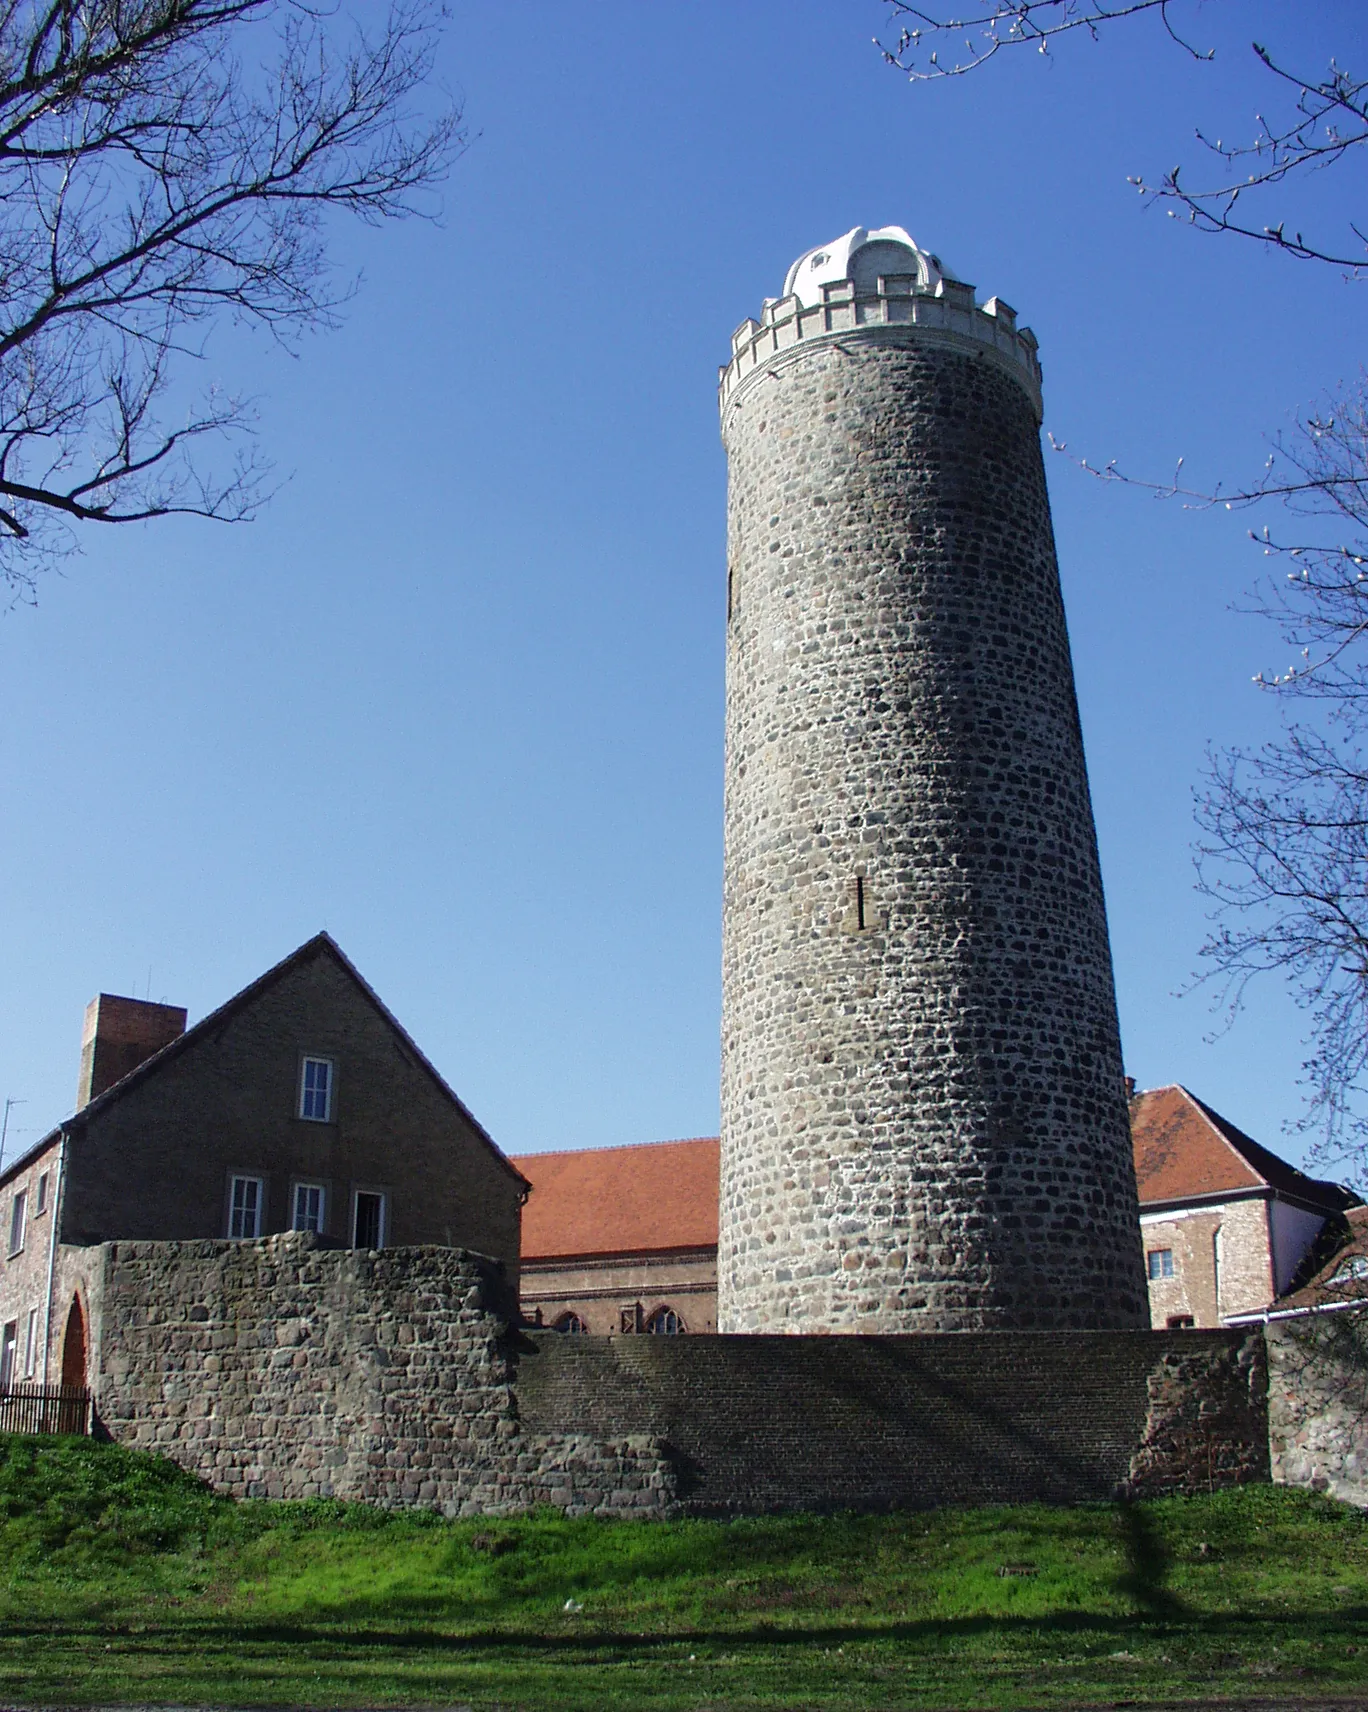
(944, 315)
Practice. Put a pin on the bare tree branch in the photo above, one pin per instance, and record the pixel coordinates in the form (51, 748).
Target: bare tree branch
(154, 178)
(1327, 118)
(988, 29)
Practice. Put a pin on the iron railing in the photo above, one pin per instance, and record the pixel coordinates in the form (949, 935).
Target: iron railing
(45, 1409)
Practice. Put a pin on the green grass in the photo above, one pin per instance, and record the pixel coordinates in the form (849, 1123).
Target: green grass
(126, 1580)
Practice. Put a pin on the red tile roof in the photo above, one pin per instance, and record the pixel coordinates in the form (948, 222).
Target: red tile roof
(1185, 1151)
(663, 1195)
(621, 1200)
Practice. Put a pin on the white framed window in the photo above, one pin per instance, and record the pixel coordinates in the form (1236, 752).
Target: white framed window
(9, 1341)
(1161, 1263)
(31, 1344)
(307, 1211)
(44, 1178)
(246, 1206)
(18, 1221)
(369, 1219)
(316, 1089)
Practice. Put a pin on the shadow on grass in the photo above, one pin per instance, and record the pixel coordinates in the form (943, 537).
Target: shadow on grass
(1227, 1629)
(1147, 1567)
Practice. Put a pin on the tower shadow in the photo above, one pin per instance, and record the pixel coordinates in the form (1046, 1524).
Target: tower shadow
(1148, 1564)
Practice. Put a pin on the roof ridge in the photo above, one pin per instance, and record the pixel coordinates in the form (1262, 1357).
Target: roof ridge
(319, 942)
(615, 1147)
(1281, 1166)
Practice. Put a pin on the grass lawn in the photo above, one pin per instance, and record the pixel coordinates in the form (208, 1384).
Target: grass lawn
(126, 1580)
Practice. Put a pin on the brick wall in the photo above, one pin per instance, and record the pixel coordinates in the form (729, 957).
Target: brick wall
(872, 1423)
(605, 1291)
(287, 1369)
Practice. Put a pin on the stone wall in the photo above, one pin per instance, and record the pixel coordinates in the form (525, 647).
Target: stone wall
(288, 1369)
(285, 1369)
(1318, 1403)
(923, 1111)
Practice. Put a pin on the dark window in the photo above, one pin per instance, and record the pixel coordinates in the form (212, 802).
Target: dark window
(9, 1340)
(18, 1219)
(315, 1090)
(664, 1322)
(1161, 1263)
(244, 1207)
(308, 1207)
(370, 1220)
(43, 1191)
(1180, 1322)
(571, 1323)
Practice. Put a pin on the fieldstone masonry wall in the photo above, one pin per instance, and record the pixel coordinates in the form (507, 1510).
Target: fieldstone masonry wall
(290, 1370)
(923, 1112)
(1318, 1403)
(285, 1369)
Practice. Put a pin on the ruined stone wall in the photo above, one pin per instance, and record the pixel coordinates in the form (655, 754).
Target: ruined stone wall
(285, 1369)
(1318, 1403)
(924, 1119)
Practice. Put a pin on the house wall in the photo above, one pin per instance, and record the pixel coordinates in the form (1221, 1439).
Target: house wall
(155, 1163)
(1294, 1230)
(24, 1274)
(602, 1291)
(1245, 1280)
(285, 1369)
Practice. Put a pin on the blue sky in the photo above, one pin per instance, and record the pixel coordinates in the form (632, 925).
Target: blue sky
(457, 695)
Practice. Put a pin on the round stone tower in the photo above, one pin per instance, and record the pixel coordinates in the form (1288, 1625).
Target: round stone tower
(923, 1109)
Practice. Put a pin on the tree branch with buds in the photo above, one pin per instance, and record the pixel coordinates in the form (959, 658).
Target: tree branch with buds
(155, 178)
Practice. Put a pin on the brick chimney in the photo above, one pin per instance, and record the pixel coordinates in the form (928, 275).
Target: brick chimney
(119, 1035)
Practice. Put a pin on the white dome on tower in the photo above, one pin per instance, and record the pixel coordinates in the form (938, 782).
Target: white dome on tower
(863, 255)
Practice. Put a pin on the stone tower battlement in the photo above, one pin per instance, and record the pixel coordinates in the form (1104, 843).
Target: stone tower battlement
(924, 1122)
(915, 294)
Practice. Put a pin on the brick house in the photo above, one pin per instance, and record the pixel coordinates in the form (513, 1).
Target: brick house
(622, 1239)
(625, 1238)
(1225, 1223)
(301, 1104)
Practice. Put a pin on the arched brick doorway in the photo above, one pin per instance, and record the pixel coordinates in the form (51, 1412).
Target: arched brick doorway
(74, 1345)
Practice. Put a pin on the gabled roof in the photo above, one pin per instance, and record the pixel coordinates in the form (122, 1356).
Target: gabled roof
(651, 1198)
(1185, 1151)
(321, 945)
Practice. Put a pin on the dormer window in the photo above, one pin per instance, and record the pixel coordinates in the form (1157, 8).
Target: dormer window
(316, 1090)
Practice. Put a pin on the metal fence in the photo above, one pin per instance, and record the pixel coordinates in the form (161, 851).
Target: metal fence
(45, 1409)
